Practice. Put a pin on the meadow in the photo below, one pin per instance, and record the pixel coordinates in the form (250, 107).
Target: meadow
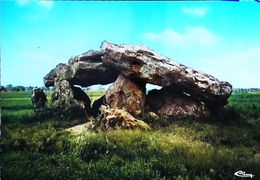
(39, 147)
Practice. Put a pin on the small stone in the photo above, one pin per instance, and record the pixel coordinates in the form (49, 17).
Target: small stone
(38, 98)
(114, 118)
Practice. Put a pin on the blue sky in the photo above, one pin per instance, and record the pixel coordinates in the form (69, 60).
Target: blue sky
(219, 38)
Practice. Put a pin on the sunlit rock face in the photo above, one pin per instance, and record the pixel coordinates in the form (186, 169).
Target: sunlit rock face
(127, 94)
(114, 118)
(139, 62)
(186, 92)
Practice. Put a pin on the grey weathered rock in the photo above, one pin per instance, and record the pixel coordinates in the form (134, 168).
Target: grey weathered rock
(84, 70)
(168, 102)
(114, 118)
(131, 67)
(91, 56)
(38, 98)
(139, 62)
(87, 74)
(60, 72)
(70, 100)
(127, 94)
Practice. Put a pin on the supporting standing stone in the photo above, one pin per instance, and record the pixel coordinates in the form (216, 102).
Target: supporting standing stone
(70, 100)
(176, 104)
(127, 94)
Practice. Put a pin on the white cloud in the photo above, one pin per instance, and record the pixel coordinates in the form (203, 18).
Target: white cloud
(228, 60)
(195, 11)
(46, 3)
(239, 67)
(43, 3)
(192, 36)
(22, 2)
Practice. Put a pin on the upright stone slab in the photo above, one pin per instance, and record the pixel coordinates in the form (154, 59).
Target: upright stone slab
(127, 94)
(168, 102)
(70, 100)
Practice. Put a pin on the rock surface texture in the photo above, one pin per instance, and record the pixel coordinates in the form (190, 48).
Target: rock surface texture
(128, 95)
(139, 62)
(70, 100)
(113, 118)
(185, 92)
(84, 70)
(168, 102)
(38, 98)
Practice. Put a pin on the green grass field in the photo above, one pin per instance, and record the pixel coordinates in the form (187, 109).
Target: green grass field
(213, 148)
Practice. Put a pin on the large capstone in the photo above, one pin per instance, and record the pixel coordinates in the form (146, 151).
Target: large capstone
(84, 70)
(139, 62)
(60, 72)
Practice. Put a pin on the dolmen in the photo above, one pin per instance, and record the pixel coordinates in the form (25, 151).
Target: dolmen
(185, 92)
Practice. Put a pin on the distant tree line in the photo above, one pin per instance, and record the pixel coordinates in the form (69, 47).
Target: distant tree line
(246, 90)
(10, 87)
